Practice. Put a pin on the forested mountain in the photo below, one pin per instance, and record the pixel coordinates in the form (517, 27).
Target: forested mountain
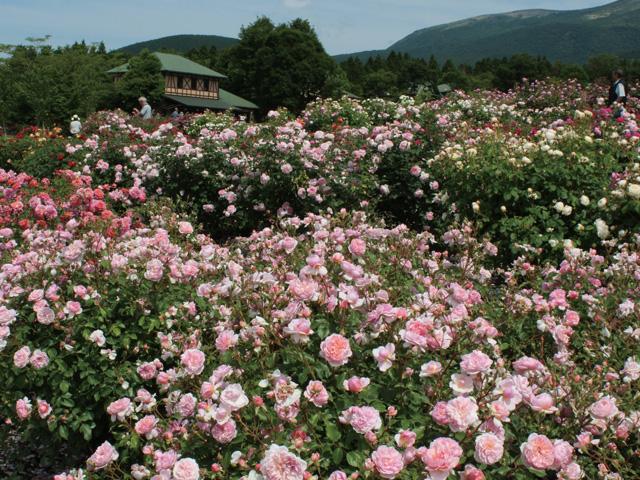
(181, 43)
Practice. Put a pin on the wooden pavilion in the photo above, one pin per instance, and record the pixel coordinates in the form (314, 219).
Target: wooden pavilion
(192, 86)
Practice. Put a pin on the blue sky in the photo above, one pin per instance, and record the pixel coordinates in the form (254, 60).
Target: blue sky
(343, 25)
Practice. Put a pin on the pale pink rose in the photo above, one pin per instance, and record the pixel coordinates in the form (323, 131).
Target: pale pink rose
(154, 270)
(147, 371)
(475, 362)
(356, 384)
(604, 408)
(164, 460)
(73, 308)
(120, 409)
(388, 462)
(461, 384)
(405, 438)
(45, 316)
(385, 356)
(439, 413)
(299, 329)
(338, 475)
(471, 473)
(280, 464)
(538, 452)
(225, 432)
(571, 318)
(97, 337)
(233, 397)
(226, 340)
(563, 454)
(462, 413)
(44, 409)
(39, 359)
(527, 364)
(573, 471)
(489, 449)
(362, 419)
(304, 290)
(147, 426)
(104, 455)
(442, 456)
(187, 405)
(185, 228)
(543, 403)
(186, 469)
(21, 357)
(23, 408)
(316, 393)
(288, 244)
(430, 369)
(357, 247)
(335, 349)
(193, 361)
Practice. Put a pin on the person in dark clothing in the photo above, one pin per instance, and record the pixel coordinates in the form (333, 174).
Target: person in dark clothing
(618, 91)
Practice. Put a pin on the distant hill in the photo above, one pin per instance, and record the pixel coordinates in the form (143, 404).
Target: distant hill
(180, 43)
(567, 36)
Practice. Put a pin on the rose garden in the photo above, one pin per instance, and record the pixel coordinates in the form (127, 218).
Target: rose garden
(369, 290)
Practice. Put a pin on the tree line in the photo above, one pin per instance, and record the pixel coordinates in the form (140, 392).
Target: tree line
(273, 65)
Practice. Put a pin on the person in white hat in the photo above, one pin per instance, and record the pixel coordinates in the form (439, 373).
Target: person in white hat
(145, 111)
(75, 126)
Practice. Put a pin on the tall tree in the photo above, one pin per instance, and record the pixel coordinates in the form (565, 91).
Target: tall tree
(278, 66)
(143, 78)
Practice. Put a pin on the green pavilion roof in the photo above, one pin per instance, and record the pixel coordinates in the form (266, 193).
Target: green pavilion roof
(175, 63)
(227, 101)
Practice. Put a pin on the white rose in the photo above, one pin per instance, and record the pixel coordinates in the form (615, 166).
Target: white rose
(584, 200)
(634, 190)
(233, 397)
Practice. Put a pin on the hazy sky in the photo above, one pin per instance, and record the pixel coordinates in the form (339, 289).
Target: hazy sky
(343, 25)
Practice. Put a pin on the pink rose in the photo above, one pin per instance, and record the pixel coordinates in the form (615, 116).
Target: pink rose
(233, 397)
(439, 413)
(45, 316)
(73, 308)
(527, 364)
(472, 473)
(338, 475)
(356, 384)
(442, 456)
(462, 412)
(280, 464)
(154, 270)
(147, 371)
(23, 408)
(385, 356)
(538, 452)
(362, 419)
(357, 247)
(102, 457)
(226, 340)
(543, 403)
(39, 359)
(187, 405)
(185, 228)
(44, 409)
(335, 349)
(573, 471)
(164, 460)
(430, 369)
(224, 432)
(186, 469)
(388, 461)
(21, 357)
(489, 449)
(563, 454)
(405, 438)
(316, 393)
(147, 426)
(604, 408)
(193, 361)
(299, 329)
(120, 409)
(475, 362)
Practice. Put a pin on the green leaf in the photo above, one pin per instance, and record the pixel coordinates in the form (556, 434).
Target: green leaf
(333, 433)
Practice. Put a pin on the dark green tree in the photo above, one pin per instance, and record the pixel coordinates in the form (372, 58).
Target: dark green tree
(274, 66)
(143, 78)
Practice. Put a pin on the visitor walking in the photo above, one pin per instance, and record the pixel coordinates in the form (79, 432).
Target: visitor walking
(145, 111)
(75, 126)
(617, 92)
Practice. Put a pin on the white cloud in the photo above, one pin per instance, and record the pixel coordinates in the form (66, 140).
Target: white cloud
(296, 3)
